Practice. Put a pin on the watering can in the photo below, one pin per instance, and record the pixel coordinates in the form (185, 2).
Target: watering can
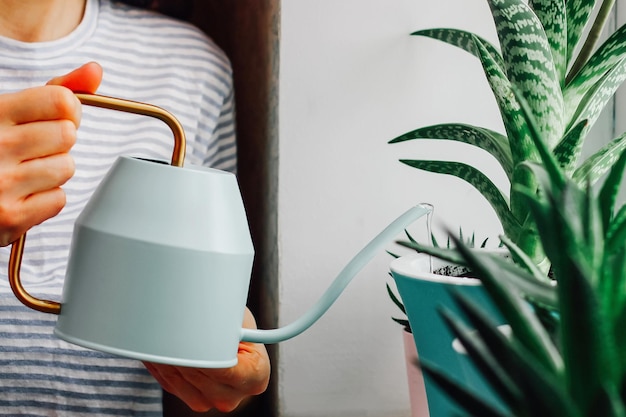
(161, 258)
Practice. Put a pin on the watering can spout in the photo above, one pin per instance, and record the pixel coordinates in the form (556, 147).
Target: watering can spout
(339, 284)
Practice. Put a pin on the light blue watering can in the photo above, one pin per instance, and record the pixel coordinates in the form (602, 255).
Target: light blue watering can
(160, 262)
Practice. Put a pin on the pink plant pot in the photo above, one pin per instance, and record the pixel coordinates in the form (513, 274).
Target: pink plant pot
(417, 390)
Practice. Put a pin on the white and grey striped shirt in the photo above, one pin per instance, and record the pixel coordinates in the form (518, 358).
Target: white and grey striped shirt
(146, 57)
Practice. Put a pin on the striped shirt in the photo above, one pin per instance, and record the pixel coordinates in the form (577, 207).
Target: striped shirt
(146, 57)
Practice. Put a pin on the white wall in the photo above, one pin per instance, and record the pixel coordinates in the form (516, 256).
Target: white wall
(351, 78)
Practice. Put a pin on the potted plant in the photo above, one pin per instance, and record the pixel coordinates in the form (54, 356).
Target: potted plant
(577, 368)
(422, 396)
(539, 83)
(565, 93)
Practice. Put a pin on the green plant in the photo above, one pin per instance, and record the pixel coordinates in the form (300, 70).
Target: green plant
(565, 93)
(580, 369)
(470, 242)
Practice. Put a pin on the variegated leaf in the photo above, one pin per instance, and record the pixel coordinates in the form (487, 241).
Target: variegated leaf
(512, 116)
(600, 162)
(578, 12)
(461, 39)
(495, 197)
(568, 150)
(609, 55)
(493, 142)
(595, 100)
(607, 197)
(553, 18)
(529, 65)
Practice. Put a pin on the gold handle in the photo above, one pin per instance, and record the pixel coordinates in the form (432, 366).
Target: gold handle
(178, 158)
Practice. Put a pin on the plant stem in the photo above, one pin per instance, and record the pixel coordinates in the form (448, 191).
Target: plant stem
(592, 39)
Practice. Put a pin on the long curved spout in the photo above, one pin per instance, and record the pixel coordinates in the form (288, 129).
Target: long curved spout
(339, 284)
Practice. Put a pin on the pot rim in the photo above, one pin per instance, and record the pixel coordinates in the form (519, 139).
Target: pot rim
(417, 266)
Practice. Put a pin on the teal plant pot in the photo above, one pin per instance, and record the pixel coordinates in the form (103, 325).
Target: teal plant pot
(423, 294)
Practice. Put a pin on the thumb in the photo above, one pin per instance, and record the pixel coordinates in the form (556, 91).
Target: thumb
(85, 79)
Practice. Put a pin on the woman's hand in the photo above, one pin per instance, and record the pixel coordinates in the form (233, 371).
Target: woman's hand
(222, 389)
(37, 130)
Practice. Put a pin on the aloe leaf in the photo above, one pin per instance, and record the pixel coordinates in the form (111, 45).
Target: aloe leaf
(527, 238)
(559, 212)
(568, 150)
(578, 12)
(592, 38)
(543, 391)
(510, 111)
(395, 299)
(549, 162)
(600, 162)
(478, 180)
(404, 323)
(616, 233)
(558, 235)
(612, 297)
(593, 363)
(528, 284)
(606, 404)
(441, 253)
(461, 39)
(524, 260)
(526, 327)
(610, 189)
(590, 221)
(529, 65)
(546, 224)
(553, 17)
(595, 99)
(468, 400)
(408, 236)
(493, 142)
(619, 323)
(482, 358)
(609, 55)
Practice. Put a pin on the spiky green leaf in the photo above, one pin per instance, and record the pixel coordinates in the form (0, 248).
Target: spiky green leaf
(461, 39)
(536, 288)
(478, 180)
(510, 111)
(529, 65)
(493, 142)
(441, 253)
(542, 388)
(553, 17)
(608, 56)
(527, 328)
(610, 189)
(395, 299)
(600, 162)
(568, 150)
(591, 364)
(468, 400)
(616, 233)
(578, 12)
(481, 356)
(549, 162)
(521, 258)
(593, 102)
